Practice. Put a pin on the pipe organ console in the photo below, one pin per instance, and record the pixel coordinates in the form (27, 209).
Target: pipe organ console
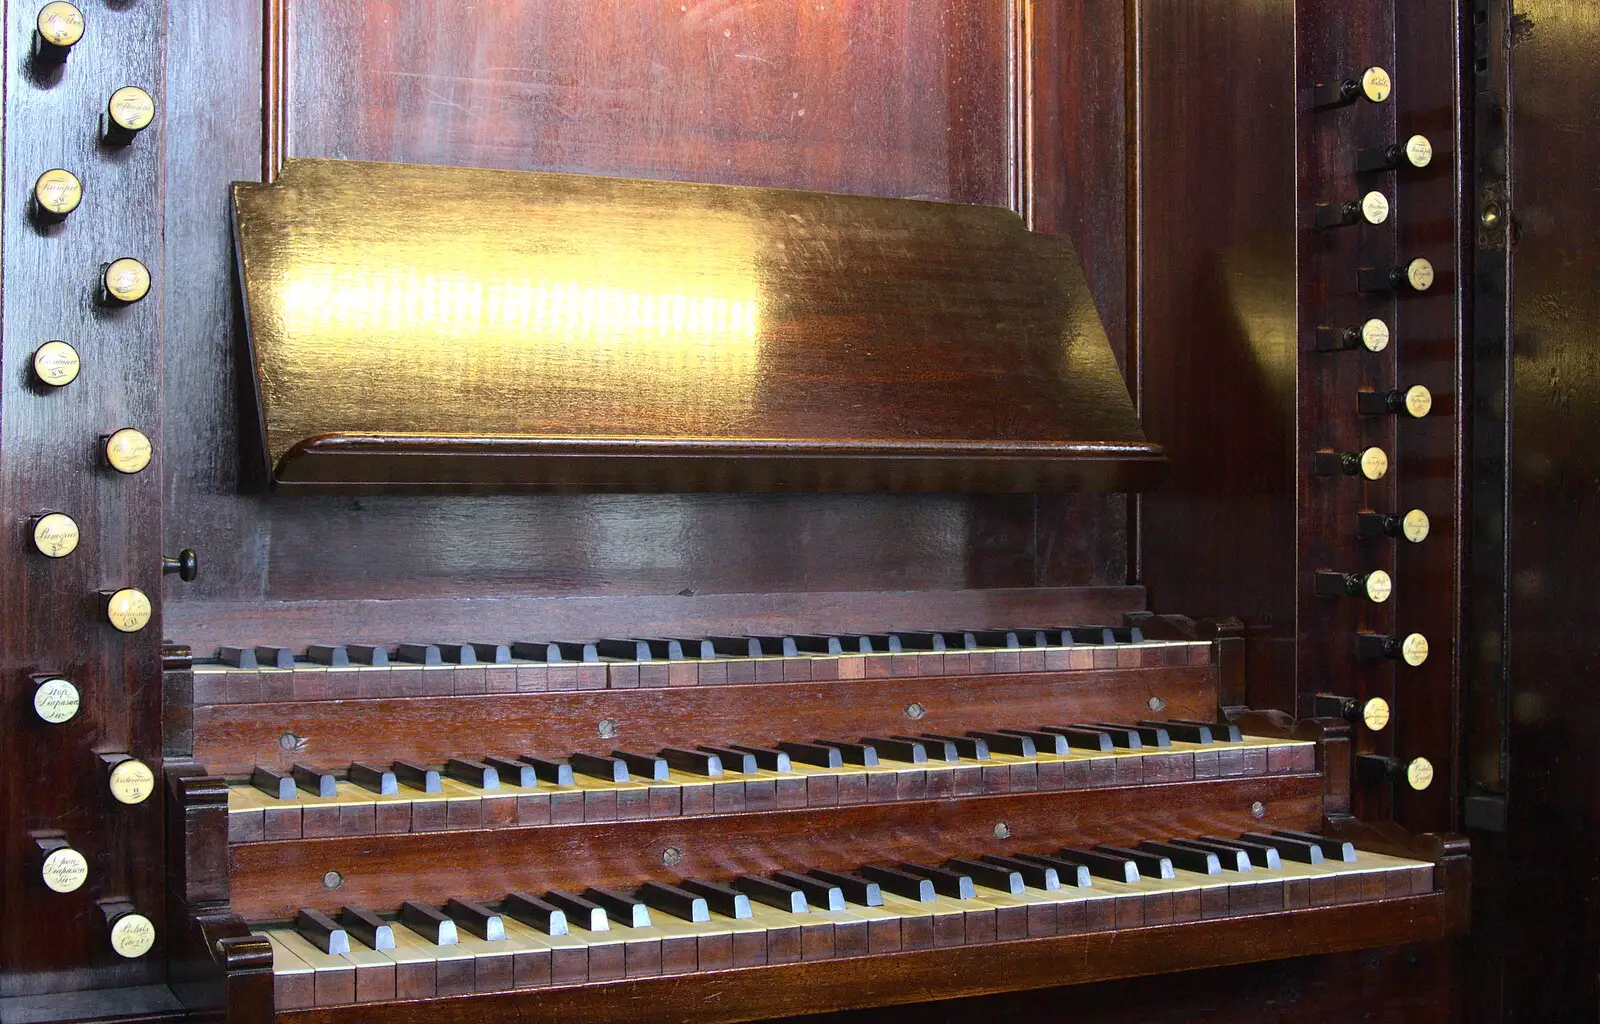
(727, 511)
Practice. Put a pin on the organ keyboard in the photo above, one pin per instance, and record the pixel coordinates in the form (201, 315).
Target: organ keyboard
(603, 934)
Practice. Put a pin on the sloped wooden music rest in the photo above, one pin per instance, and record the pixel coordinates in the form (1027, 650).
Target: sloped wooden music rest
(439, 327)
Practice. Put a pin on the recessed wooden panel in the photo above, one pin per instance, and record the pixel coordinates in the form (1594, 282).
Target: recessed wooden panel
(902, 98)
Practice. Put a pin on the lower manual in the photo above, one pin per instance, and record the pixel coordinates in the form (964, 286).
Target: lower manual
(521, 940)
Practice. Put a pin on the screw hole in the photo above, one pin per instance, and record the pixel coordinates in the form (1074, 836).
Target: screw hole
(289, 741)
(608, 728)
(915, 710)
(1002, 830)
(672, 856)
(332, 880)
(1157, 704)
(1258, 810)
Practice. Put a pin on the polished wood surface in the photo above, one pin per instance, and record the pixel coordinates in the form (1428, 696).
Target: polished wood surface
(1169, 145)
(897, 98)
(50, 621)
(443, 327)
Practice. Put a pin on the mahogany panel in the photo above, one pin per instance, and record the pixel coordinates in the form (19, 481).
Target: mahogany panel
(231, 739)
(1552, 932)
(890, 97)
(1395, 985)
(365, 617)
(939, 974)
(273, 880)
(1336, 43)
(51, 620)
(1214, 317)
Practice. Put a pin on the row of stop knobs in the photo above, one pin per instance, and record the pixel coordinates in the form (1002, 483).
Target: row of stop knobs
(122, 450)
(1370, 209)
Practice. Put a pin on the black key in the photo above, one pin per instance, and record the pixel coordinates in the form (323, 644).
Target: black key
(818, 644)
(237, 657)
(693, 762)
(1091, 636)
(626, 650)
(731, 760)
(670, 899)
(313, 781)
(1102, 865)
(274, 657)
(1126, 634)
(1068, 872)
(366, 654)
(457, 654)
(598, 766)
(557, 773)
(669, 650)
(419, 654)
(1184, 731)
(1333, 849)
(1229, 858)
(812, 753)
(536, 913)
(429, 922)
(415, 776)
(817, 892)
(1037, 876)
(473, 773)
(781, 895)
(1044, 742)
(1082, 738)
(970, 747)
(994, 876)
(567, 650)
(735, 646)
(1202, 862)
(909, 751)
(367, 926)
(555, 652)
(702, 649)
(476, 919)
(1122, 736)
(1297, 850)
(1150, 735)
(943, 751)
(374, 779)
(513, 773)
(1152, 865)
(1221, 732)
(331, 656)
(863, 754)
(1006, 743)
(620, 907)
(724, 899)
(856, 888)
(646, 766)
(954, 884)
(1260, 854)
(878, 643)
(777, 646)
(901, 883)
(274, 783)
(986, 639)
(584, 913)
(493, 654)
(921, 641)
(766, 760)
(322, 932)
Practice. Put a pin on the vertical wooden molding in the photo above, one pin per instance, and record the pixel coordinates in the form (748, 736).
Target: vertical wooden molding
(1133, 148)
(274, 87)
(1021, 93)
